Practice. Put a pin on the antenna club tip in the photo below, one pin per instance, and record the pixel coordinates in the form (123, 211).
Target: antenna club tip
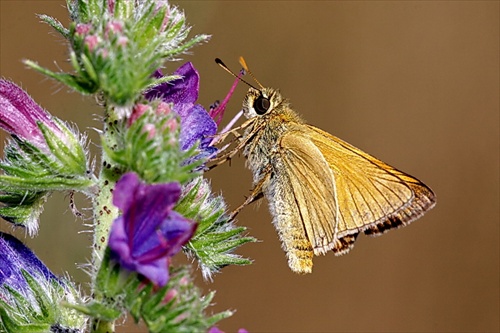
(243, 63)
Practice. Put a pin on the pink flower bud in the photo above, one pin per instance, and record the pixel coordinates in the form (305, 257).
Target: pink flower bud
(92, 41)
(83, 28)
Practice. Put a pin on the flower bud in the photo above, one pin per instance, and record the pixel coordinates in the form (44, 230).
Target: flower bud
(27, 121)
(31, 295)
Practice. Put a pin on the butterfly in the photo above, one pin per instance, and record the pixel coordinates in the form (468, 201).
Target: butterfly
(322, 191)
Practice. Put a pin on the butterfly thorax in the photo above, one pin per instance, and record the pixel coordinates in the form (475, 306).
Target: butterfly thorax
(263, 135)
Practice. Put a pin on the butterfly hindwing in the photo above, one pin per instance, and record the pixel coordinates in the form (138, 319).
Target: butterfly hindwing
(373, 197)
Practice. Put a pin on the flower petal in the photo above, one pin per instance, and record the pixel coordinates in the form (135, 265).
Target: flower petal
(176, 231)
(19, 113)
(156, 271)
(197, 125)
(149, 232)
(181, 91)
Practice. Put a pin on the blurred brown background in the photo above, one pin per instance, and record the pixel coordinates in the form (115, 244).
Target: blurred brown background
(415, 83)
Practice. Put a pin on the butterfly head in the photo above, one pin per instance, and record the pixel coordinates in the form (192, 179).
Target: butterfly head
(259, 102)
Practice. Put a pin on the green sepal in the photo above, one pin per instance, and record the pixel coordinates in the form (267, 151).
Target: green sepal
(38, 312)
(70, 154)
(111, 279)
(9, 324)
(84, 10)
(76, 83)
(157, 159)
(186, 46)
(21, 154)
(42, 298)
(90, 71)
(17, 215)
(54, 23)
(216, 237)
(96, 310)
(213, 249)
(22, 208)
(177, 307)
(120, 71)
(176, 29)
(219, 242)
(27, 168)
(111, 284)
(19, 198)
(49, 183)
(149, 24)
(123, 9)
(163, 79)
(20, 172)
(78, 10)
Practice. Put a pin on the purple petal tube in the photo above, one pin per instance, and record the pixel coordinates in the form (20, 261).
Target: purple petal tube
(14, 257)
(19, 115)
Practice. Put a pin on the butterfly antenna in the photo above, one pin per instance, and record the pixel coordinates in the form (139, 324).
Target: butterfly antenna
(223, 65)
(245, 67)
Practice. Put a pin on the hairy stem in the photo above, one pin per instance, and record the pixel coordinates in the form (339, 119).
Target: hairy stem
(104, 212)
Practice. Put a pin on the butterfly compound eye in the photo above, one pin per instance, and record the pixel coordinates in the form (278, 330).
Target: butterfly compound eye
(261, 105)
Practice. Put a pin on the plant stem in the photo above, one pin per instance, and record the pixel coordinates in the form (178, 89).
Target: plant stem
(104, 212)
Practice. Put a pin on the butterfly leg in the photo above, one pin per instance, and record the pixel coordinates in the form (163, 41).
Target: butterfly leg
(218, 138)
(230, 154)
(257, 193)
(223, 158)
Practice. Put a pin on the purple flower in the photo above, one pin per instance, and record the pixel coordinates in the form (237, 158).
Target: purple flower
(15, 256)
(30, 294)
(196, 123)
(19, 115)
(149, 232)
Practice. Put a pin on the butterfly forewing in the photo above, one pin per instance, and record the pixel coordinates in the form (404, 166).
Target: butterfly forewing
(305, 224)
